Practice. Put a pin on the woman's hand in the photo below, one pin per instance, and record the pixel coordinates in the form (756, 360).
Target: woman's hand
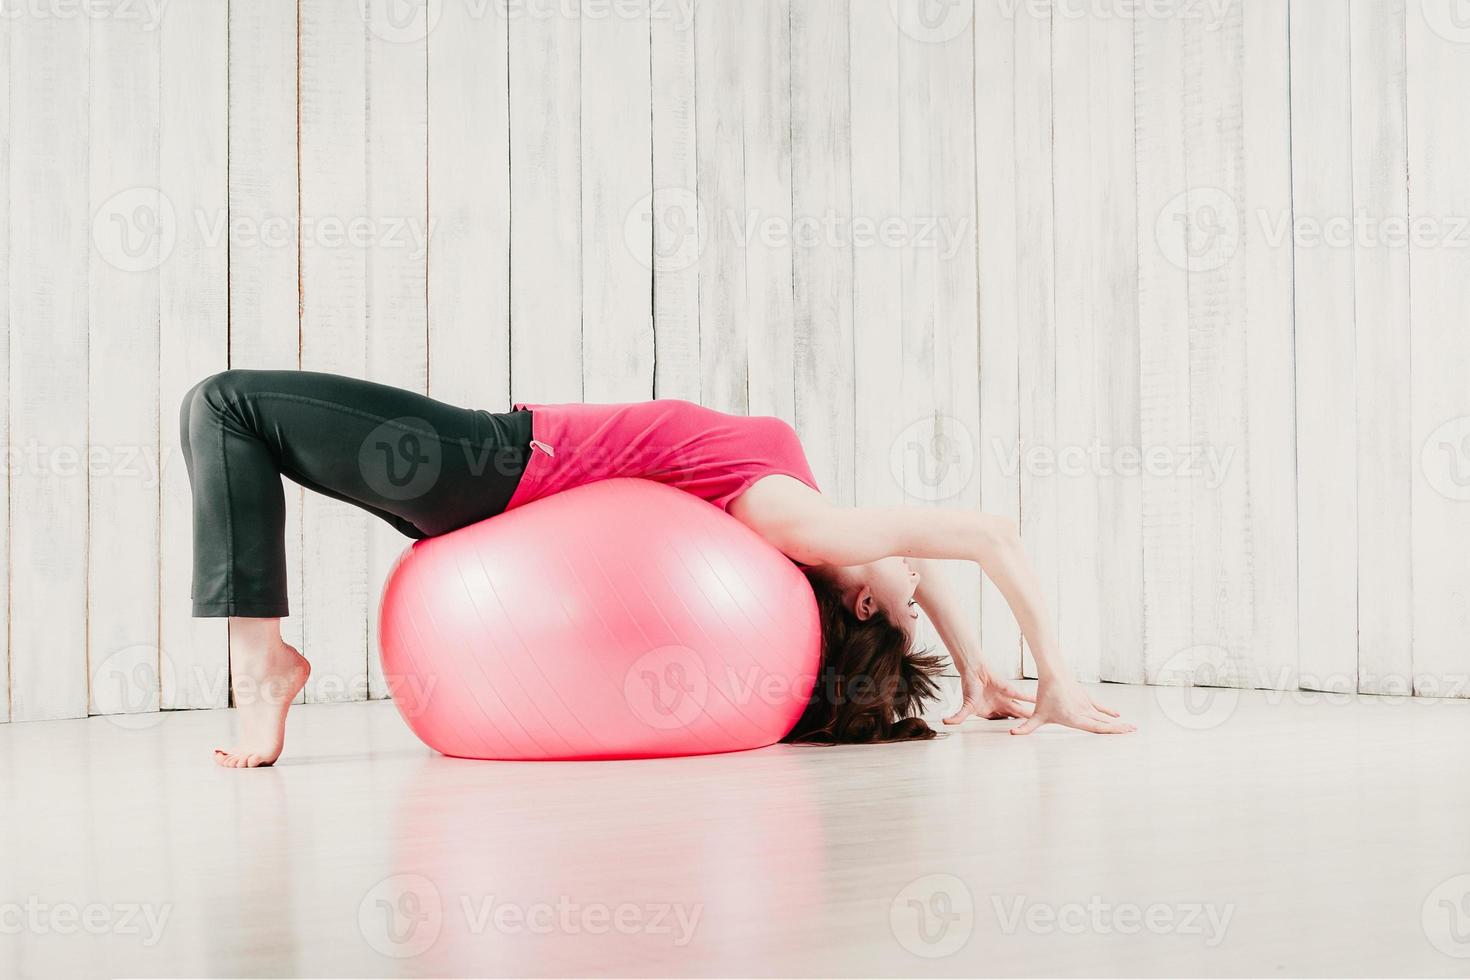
(1064, 702)
(990, 699)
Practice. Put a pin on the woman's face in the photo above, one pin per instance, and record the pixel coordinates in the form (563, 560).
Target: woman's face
(886, 585)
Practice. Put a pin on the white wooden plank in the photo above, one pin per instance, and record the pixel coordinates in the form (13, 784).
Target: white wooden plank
(939, 404)
(724, 322)
(744, 185)
(193, 320)
(49, 216)
(877, 279)
(617, 173)
(133, 230)
(1438, 57)
(822, 280)
(763, 46)
(397, 273)
(1385, 456)
(546, 237)
(469, 208)
(935, 441)
(1037, 305)
(1113, 291)
(1214, 150)
(5, 362)
(1078, 250)
(1163, 308)
(1322, 190)
(334, 289)
(264, 261)
(944, 230)
(673, 209)
(1270, 377)
(998, 448)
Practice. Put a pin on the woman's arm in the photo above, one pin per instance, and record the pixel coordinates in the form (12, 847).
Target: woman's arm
(804, 525)
(982, 694)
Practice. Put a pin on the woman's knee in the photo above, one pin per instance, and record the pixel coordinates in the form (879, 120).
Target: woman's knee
(213, 395)
(224, 386)
(187, 407)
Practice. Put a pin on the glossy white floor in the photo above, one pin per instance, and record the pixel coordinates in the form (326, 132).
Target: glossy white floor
(1244, 834)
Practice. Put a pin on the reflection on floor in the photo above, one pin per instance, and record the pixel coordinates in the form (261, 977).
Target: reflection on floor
(1240, 833)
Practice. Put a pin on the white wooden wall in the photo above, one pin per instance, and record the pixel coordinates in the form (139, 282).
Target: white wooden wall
(1056, 263)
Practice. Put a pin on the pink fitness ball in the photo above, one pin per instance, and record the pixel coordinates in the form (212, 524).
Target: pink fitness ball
(619, 619)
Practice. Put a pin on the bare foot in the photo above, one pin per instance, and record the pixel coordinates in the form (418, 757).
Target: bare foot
(265, 683)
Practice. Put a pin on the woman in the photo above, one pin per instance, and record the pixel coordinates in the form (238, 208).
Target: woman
(427, 468)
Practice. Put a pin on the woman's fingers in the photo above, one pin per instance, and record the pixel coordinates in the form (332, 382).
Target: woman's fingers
(1107, 711)
(965, 710)
(1105, 716)
(1102, 726)
(1029, 725)
(1022, 710)
(1020, 695)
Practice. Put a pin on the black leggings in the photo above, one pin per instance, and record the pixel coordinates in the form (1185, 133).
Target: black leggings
(423, 466)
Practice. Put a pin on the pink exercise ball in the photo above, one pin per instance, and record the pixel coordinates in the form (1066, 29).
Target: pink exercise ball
(616, 620)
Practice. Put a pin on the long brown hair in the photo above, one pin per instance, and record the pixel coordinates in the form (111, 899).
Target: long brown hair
(869, 683)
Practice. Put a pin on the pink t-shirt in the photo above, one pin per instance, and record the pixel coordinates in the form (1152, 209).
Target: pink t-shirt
(711, 454)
